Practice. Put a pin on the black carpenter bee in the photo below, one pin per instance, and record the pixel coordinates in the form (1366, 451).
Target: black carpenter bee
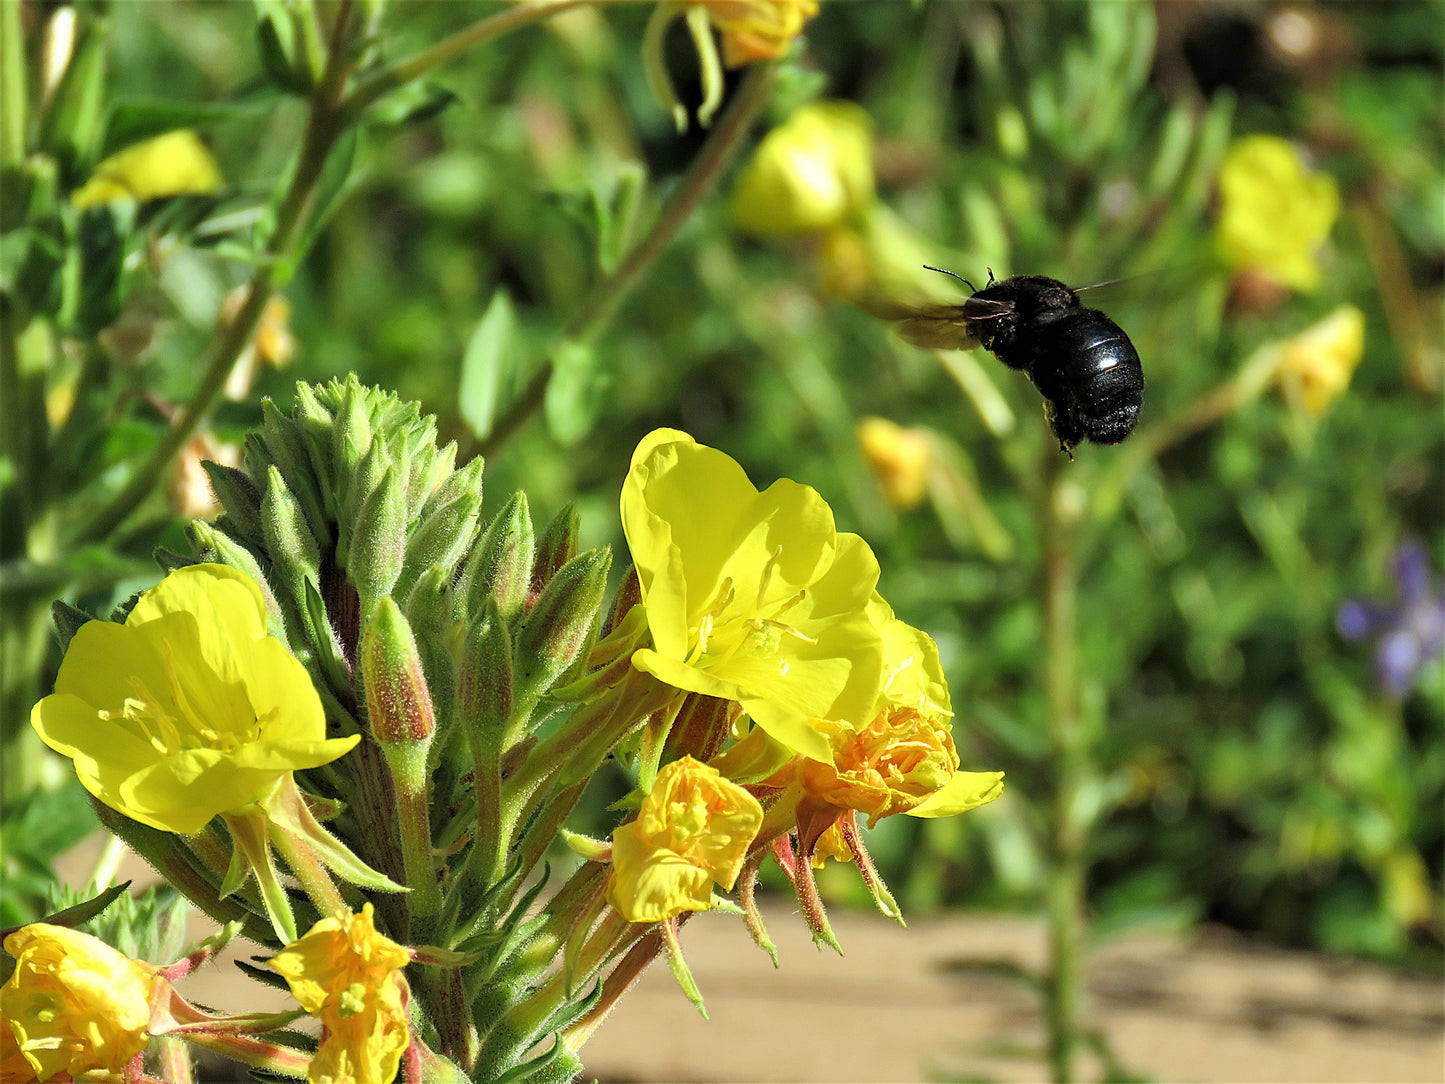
(1083, 364)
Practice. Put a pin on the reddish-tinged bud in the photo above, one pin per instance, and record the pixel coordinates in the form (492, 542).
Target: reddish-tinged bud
(561, 626)
(555, 548)
(397, 698)
(500, 566)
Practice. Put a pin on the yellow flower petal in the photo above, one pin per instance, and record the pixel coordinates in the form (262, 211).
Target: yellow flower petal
(176, 163)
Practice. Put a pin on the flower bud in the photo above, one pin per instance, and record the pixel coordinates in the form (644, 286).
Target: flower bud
(447, 527)
(899, 459)
(555, 548)
(484, 684)
(501, 564)
(559, 628)
(812, 173)
(285, 448)
(240, 501)
(378, 541)
(398, 699)
(289, 540)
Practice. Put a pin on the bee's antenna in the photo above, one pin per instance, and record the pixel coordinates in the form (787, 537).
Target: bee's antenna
(945, 271)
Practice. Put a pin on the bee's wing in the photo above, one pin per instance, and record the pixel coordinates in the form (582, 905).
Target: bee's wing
(945, 327)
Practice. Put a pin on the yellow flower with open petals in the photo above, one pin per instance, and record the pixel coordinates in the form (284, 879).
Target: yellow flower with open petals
(73, 1005)
(187, 710)
(348, 976)
(752, 597)
(1274, 211)
(174, 164)
(692, 831)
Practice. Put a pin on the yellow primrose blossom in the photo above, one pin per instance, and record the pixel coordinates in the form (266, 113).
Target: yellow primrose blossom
(812, 173)
(348, 976)
(692, 830)
(754, 30)
(1315, 366)
(751, 597)
(73, 1005)
(174, 164)
(1274, 212)
(187, 710)
(899, 458)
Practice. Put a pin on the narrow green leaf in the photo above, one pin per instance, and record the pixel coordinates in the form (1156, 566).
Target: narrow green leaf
(489, 366)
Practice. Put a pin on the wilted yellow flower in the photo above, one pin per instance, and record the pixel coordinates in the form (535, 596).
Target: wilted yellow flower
(189, 709)
(899, 458)
(756, 29)
(173, 164)
(73, 1005)
(812, 173)
(751, 597)
(693, 830)
(348, 976)
(1315, 366)
(273, 344)
(751, 30)
(1274, 212)
(903, 759)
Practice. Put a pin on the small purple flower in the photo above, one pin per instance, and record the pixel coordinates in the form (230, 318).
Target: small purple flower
(1411, 631)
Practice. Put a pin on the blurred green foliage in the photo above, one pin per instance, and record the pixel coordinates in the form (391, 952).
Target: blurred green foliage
(1244, 767)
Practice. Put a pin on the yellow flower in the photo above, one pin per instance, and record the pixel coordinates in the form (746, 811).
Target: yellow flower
(1274, 212)
(810, 174)
(756, 29)
(173, 164)
(349, 977)
(1315, 366)
(903, 760)
(899, 459)
(73, 1005)
(694, 829)
(187, 710)
(752, 597)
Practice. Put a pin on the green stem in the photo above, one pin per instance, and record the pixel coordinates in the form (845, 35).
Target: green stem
(602, 301)
(1069, 750)
(313, 875)
(14, 97)
(324, 125)
(417, 65)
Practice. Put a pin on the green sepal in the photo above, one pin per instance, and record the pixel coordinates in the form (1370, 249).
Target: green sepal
(290, 543)
(556, 546)
(288, 451)
(68, 620)
(484, 694)
(680, 971)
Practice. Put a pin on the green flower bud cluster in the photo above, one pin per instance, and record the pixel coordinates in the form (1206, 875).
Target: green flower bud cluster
(446, 640)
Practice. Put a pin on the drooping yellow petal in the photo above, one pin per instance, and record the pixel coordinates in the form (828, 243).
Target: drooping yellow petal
(174, 164)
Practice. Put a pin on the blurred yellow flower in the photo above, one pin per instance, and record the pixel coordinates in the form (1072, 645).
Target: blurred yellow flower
(899, 459)
(756, 29)
(189, 709)
(74, 1005)
(1315, 366)
(692, 830)
(189, 490)
(173, 164)
(1274, 211)
(273, 344)
(810, 174)
(751, 597)
(348, 976)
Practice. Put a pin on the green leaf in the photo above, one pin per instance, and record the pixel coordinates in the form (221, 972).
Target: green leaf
(331, 187)
(412, 104)
(489, 366)
(276, 45)
(132, 120)
(576, 392)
